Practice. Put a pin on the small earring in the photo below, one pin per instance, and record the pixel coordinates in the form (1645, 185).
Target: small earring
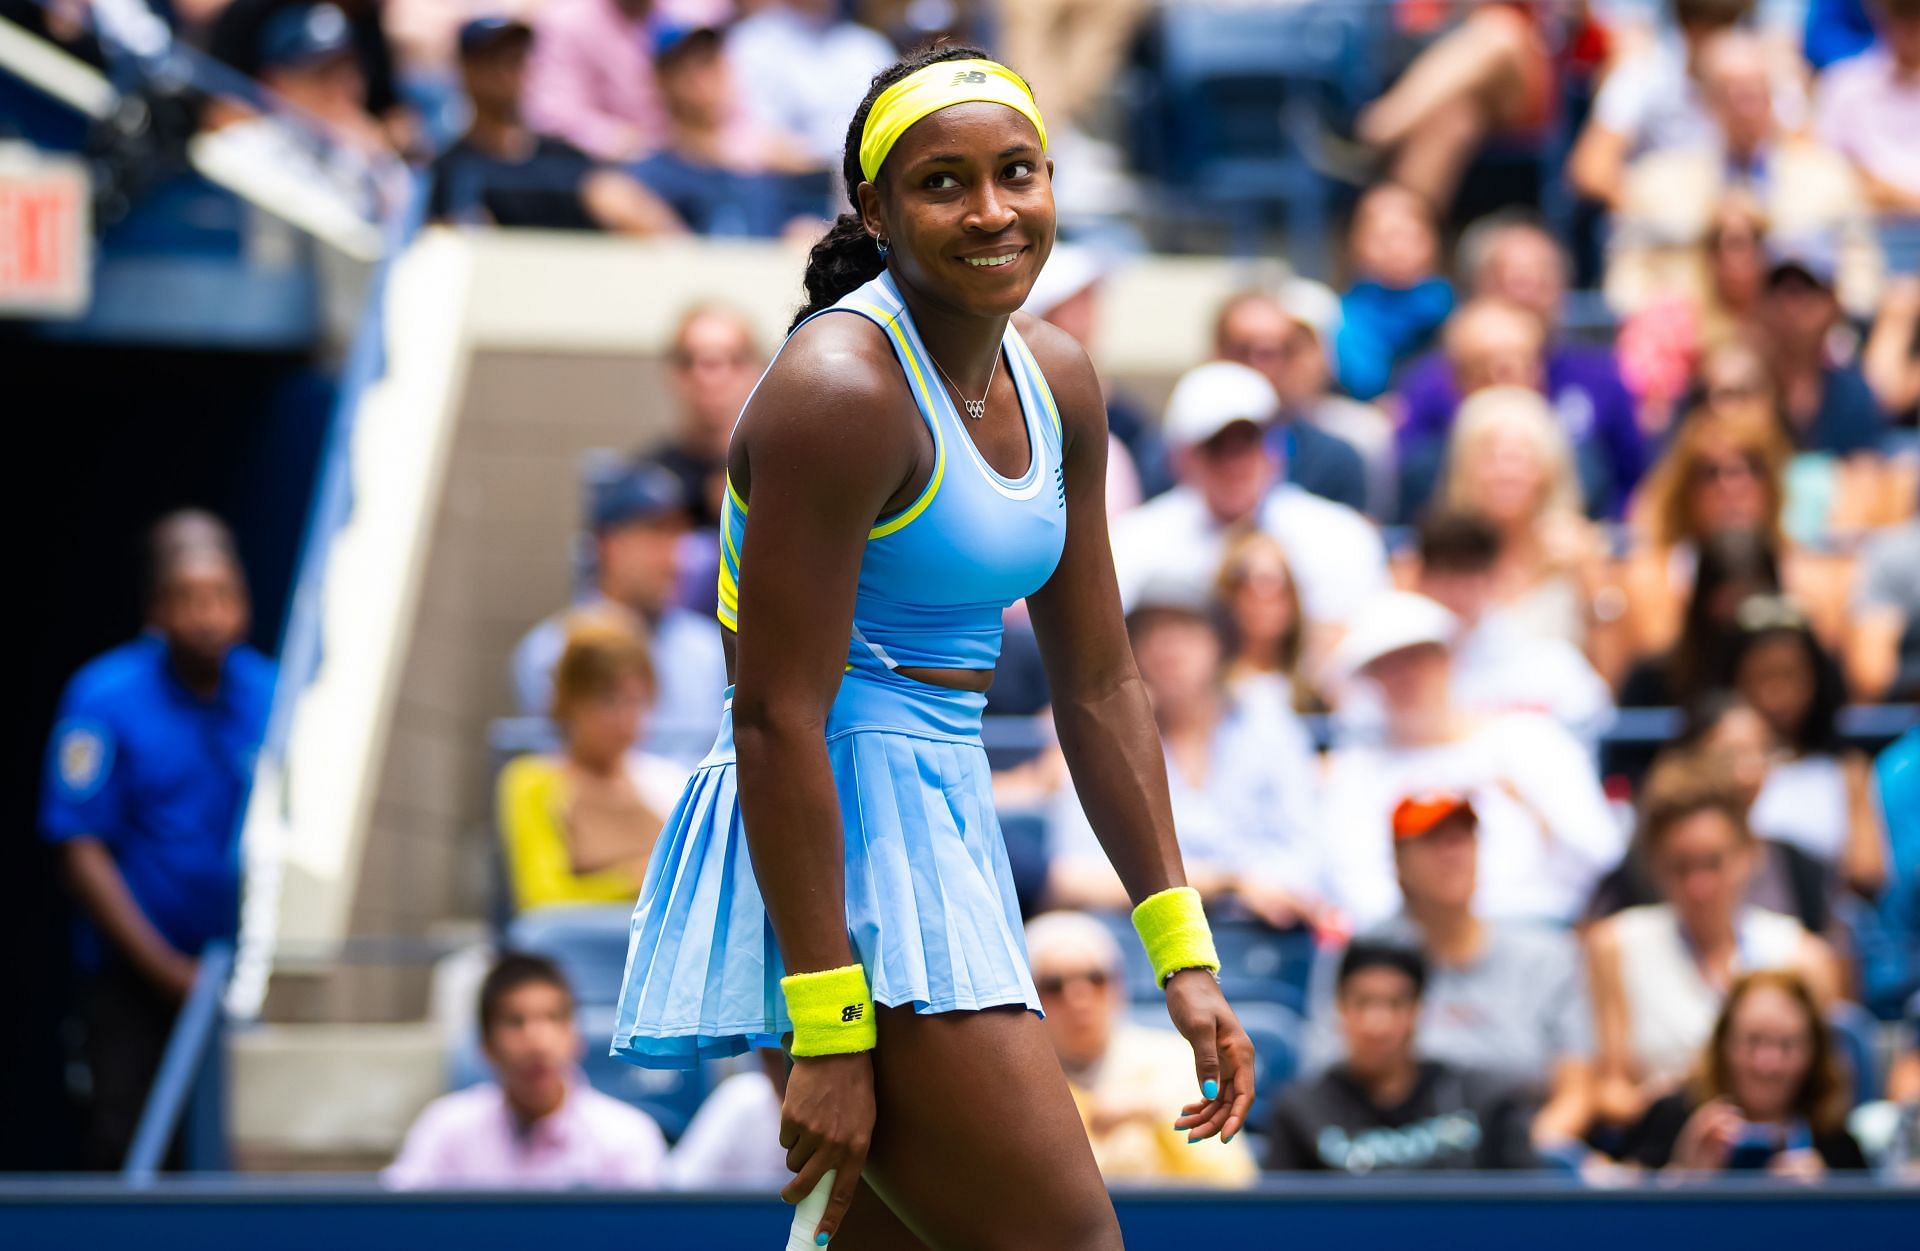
(881, 246)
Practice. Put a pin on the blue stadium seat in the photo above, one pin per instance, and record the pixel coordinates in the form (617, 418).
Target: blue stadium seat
(1854, 1033)
(588, 943)
(1259, 964)
(1245, 93)
(1026, 837)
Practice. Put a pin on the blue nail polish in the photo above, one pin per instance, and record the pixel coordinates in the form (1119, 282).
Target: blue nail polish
(1210, 1088)
(820, 1239)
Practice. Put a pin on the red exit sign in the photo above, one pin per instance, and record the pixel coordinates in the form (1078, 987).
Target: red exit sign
(46, 235)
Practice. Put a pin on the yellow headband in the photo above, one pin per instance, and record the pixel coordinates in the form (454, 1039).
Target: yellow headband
(935, 87)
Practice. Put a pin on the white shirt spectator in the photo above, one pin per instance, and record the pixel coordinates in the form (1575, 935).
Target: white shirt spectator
(1653, 102)
(1869, 112)
(1547, 834)
(1337, 558)
(472, 1139)
(802, 76)
(1498, 668)
(1253, 815)
(733, 1140)
(1805, 803)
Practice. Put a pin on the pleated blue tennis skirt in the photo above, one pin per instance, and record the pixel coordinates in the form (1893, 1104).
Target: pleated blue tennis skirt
(931, 910)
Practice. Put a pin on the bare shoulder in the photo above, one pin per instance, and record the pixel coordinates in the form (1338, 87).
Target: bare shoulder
(1603, 940)
(831, 402)
(1069, 372)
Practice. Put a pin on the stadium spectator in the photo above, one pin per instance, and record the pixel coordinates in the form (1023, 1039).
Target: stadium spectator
(1868, 109)
(146, 777)
(1660, 972)
(1808, 191)
(591, 80)
(1883, 630)
(1546, 833)
(1651, 101)
(1729, 733)
(638, 517)
(801, 70)
(578, 826)
(1507, 999)
(1070, 50)
(1067, 295)
(501, 172)
(259, 38)
(733, 1140)
(1240, 775)
(715, 360)
(1509, 462)
(1488, 342)
(1887, 939)
(1730, 567)
(538, 1125)
(1891, 359)
(1498, 666)
(1827, 404)
(1129, 1081)
(1706, 310)
(1260, 331)
(1398, 300)
(1512, 258)
(1903, 1079)
(1724, 472)
(1383, 1109)
(1258, 605)
(720, 173)
(1819, 794)
(1492, 72)
(1230, 479)
(1767, 1092)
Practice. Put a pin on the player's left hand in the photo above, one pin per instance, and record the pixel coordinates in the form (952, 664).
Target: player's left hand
(1222, 1054)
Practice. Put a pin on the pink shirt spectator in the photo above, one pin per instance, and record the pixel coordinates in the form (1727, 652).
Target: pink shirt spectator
(1869, 111)
(470, 1139)
(590, 80)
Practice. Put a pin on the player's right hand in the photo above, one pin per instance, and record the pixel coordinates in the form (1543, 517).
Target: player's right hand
(826, 1122)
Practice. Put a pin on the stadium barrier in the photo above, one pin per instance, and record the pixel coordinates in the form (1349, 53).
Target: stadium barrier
(1481, 1212)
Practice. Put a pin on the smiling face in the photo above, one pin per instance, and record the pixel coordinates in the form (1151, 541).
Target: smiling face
(965, 201)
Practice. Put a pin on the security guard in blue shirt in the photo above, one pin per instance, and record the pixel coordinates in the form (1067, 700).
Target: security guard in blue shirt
(146, 778)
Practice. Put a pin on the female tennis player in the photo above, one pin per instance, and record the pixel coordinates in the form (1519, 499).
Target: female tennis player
(916, 458)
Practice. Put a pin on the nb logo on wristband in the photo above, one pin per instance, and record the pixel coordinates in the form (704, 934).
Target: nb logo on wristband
(852, 1012)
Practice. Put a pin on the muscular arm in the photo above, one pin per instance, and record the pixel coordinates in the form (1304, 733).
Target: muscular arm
(819, 452)
(96, 882)
(1100, 709)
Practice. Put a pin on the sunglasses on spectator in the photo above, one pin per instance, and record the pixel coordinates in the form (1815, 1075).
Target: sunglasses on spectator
(1286, 349)
(1744, 466)
(1735, 392)
(714, 360)
(1053, 985)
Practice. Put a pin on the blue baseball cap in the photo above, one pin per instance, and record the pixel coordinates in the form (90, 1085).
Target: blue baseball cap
(304, 35)
(669, 40)
(631, 492)
(484, 34)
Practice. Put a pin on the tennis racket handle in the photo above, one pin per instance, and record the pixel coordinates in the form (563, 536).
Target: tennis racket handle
(806, 1217)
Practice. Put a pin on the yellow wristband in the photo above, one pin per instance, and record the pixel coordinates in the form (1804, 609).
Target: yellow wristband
(1173, 927)
(831, 1010)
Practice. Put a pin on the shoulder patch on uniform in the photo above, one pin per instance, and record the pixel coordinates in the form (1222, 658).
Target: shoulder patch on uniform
(83, 755)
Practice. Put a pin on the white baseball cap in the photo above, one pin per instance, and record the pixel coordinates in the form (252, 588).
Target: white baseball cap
(1213, 396)
(1313, 305)
(1389, 622)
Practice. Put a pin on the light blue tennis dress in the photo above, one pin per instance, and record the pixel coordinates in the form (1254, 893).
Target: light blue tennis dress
(930, 903)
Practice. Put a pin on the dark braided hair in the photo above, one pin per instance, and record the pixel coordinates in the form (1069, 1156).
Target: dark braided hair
(846, 257)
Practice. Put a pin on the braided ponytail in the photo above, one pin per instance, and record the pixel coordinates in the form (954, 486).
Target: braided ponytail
(846, 257)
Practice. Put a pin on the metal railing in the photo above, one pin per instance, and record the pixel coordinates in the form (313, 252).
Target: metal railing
(188, 1096)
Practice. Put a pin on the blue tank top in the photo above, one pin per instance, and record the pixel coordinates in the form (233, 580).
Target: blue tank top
(937, 574)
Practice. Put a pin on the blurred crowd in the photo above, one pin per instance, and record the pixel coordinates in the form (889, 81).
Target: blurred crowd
(1396, 562)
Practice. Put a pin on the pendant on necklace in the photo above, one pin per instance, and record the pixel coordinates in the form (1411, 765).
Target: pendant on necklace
(976, 409)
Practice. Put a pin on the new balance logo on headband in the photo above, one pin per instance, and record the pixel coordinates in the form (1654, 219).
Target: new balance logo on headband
(852, 1012)
(967, 77)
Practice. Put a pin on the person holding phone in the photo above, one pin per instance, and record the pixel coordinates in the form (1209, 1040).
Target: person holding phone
(1767, 1094)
